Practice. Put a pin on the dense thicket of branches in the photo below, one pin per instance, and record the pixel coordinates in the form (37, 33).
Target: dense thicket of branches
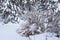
(38, 15)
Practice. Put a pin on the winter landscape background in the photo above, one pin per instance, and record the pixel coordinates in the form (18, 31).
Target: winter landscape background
(34, 19)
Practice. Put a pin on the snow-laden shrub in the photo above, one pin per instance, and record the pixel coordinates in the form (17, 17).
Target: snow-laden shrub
(43, 19)
(37, 16)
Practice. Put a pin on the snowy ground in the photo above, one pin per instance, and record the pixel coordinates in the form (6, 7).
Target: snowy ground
(8, 32)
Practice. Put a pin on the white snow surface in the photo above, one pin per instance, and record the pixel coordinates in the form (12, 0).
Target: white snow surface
(8, 32)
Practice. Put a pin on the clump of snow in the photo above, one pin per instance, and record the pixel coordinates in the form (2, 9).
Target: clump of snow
(58, 6)
(55, 0)
(23, 24)
(33, 27)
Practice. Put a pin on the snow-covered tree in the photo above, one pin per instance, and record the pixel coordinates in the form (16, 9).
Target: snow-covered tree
(33, 16)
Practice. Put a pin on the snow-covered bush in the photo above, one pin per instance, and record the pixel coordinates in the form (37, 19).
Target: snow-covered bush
(33, 16)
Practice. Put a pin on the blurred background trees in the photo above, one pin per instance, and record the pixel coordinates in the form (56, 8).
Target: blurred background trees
(39, 15)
